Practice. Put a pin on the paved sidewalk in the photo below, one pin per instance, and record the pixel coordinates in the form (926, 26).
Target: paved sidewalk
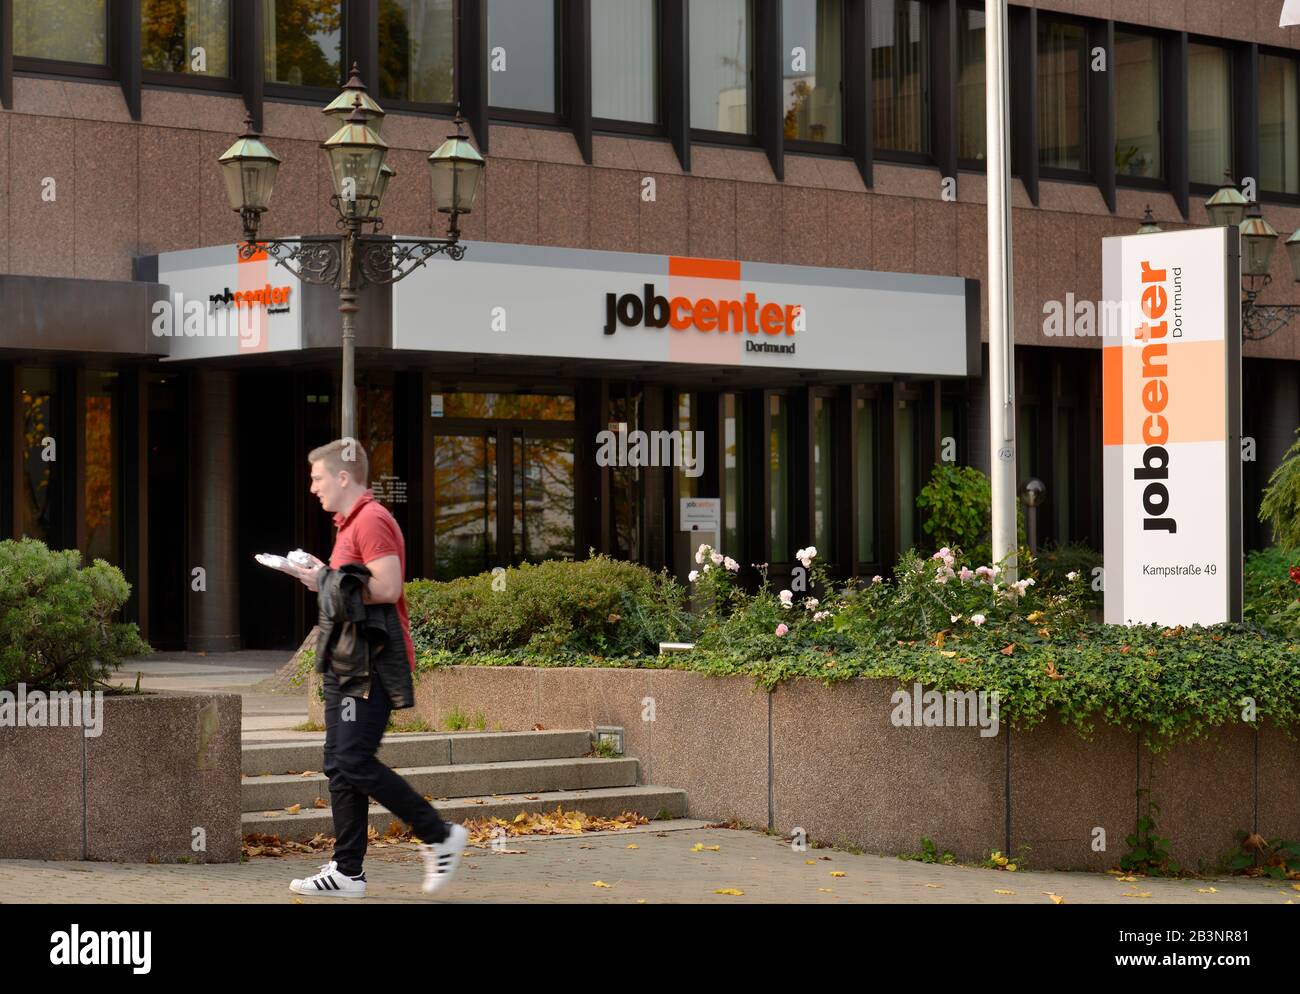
(662, 869)
(270, 711)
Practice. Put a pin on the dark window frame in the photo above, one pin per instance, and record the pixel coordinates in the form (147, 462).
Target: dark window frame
(432, 108)
(728, 139)
(873, 396)
(1233, 51)
(288, 92)
(1090, 117)
(510, 115)
(807, 146)
(1291, 54)
(641, 129)
(1160, 182)
(224, 84)
(28, 65)
(931, 10)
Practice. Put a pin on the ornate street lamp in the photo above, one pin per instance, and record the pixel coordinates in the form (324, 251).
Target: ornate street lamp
(1258, 242)
(249, 168)
(360, 176)
(1148, 226)
(1226, 206)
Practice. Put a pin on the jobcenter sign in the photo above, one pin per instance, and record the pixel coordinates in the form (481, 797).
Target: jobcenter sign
(530, 300)
(1172, 427)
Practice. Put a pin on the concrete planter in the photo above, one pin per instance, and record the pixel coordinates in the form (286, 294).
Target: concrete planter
(159, 784)
(830, 761)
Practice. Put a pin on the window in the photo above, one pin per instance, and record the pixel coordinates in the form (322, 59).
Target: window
(1062, 96)
(416, 50)
(304, 42)
(686, 427)
(970, 85)
(67, 30)
(907, 441)
(722, 46)
(778, 448)
(1279, 125)
(1137, 106)
(900, 75)
(733, 432)
(39, 485)
(101, 494)
(625, 60)
(864, 468)
(185, 36)
(1209, 114)
(521, 56)
(823, 481)
(813, 34)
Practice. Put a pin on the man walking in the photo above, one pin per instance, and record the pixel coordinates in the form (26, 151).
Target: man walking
(356, 711)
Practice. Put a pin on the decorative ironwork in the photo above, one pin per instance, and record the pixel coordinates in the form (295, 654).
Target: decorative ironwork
(1260, 321)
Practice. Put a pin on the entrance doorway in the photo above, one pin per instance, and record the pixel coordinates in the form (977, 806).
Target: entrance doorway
(503, 486)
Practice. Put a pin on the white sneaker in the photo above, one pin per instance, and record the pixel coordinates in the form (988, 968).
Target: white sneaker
(330, 883)
(441, 859)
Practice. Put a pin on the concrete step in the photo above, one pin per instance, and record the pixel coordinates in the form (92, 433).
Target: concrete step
(419, 749)
(606, 802)
(460, 780)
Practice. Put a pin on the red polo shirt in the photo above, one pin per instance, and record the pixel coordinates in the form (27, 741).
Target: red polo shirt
(366, 533)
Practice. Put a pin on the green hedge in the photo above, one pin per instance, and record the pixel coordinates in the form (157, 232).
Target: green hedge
(1169, 684)
(598, 606)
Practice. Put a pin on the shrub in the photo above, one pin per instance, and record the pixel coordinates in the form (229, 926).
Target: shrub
(1271, 598)
(1055, 562)
(599, 605)
(1280, 504)
(960, 501)
(56, 618)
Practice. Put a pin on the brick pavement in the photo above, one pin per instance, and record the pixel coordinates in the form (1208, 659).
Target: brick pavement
(662, 869)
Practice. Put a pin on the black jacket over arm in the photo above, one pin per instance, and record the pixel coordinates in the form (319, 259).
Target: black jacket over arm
(359, 640)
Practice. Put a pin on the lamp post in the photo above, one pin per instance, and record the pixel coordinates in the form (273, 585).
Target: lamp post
(1227, 206)
(349, 261)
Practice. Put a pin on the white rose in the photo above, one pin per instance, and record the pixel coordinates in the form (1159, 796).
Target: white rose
(693, 575)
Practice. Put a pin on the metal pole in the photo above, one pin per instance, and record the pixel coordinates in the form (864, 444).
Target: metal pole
(1002, 380)
(348, 308)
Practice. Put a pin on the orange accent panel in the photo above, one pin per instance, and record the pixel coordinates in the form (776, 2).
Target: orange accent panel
(1112, 395)
(709, 269)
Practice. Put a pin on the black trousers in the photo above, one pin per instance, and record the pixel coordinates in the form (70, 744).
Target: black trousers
(354, 727)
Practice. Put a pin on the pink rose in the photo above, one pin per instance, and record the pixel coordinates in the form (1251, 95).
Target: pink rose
(781, 629)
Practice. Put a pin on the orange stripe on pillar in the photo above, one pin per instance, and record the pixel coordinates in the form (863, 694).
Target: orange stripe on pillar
(1112, 395)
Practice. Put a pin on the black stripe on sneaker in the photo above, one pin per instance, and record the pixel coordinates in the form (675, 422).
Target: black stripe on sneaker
(317, 882)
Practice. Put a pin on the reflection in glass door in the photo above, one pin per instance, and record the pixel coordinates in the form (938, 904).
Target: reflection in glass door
(464, 503)
(543, 498)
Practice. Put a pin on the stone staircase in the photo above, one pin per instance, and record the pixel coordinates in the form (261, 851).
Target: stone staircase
(467, 774)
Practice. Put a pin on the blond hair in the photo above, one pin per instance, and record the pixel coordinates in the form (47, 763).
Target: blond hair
(343, 454)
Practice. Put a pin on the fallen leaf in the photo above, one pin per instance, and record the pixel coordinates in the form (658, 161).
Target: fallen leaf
(1207, 890)
(948, 655)
(1004, 892)
(297, 900)
(1056, 898)
(731, 891)
(640, 900)
(1145, 893)
(1127, 880)
(934, 886)
(826, 890)
(1008, 650)
(308, 773)
(837, 873)
(633, 845)
(810, 862)
(320, 802)
(600, 883)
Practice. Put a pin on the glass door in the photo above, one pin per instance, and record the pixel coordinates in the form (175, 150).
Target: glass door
(465, 502)
(542, 468)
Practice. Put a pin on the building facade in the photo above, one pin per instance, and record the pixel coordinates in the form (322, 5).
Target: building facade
(825, 153)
